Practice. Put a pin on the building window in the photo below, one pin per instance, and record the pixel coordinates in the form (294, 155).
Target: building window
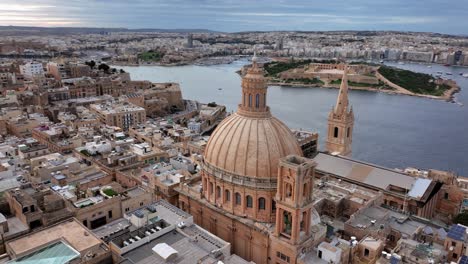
(249, 201)
(366, 252)
(110, 213)
(347, 132)
(227, 195)
(250, 100)
(141, 204)
(335, 132)
(261, 203)
(257, 100)
(238, 199)
(218, 192)
(273, 205)
(211, 188)
(454, 256)
(446, 196)
(282, 256)
(454, 244)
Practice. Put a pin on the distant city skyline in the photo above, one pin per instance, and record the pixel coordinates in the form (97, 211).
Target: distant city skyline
(242, 15)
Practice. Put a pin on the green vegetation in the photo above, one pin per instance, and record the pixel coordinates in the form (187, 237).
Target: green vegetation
(85, 152)
(110, 192)
(379, 85)
(419, 83)
(275, 67)
(86, 205)
(151, 56)
(461, 218)
(305, 81)
(104, 67)
(91, 64)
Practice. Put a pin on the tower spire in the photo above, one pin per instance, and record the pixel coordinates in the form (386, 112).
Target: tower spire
(342, 102)
(341, 121)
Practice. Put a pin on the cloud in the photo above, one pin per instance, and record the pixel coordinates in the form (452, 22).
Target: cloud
(241, 15)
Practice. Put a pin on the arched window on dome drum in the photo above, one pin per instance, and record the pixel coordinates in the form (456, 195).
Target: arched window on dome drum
(261, 203)
(264, 99)
(238, 199)
(227, 195)
(249, 201)
(250, 100)
(335, 132)
(245, 99)
(211, 188)
(257, 100)
(218, 192)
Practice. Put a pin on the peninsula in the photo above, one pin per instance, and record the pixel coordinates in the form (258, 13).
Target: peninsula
(361, 76)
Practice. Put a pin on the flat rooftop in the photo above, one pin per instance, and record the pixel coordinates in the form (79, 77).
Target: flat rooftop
(193, 244)
(163, 210)
(76, 235)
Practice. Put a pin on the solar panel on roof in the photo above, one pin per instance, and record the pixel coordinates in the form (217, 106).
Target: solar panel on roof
(139, 214)
(394, 260)
(463, 260)
(457, 232)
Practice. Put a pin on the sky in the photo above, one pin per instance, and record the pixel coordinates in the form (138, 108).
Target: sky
(443, 16)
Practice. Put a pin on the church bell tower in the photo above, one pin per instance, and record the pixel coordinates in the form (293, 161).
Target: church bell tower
(294, 209)
(341, 122)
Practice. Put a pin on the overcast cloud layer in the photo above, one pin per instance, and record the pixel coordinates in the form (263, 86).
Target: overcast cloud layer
(444, 16)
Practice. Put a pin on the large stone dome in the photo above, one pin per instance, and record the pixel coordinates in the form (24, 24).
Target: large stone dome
(251, 141)
(249, 146)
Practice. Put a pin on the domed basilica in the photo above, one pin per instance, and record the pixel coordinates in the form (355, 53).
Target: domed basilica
(256, 186)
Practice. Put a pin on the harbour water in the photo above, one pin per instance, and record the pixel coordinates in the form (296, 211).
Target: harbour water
(394, 131)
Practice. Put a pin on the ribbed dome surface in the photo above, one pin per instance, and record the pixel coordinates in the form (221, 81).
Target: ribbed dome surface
(250, 146)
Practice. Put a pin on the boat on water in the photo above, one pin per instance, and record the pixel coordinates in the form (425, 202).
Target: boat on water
(401, 63)
(448, 73)
(429, 66)
(465, 75)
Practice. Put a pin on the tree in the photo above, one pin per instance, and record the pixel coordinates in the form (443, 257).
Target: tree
(461, 218)
(103, 67)
(91, 64)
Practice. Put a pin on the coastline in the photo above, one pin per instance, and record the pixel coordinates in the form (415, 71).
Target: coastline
(448, 95)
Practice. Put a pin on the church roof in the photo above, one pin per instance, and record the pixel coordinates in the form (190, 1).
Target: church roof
(372, 175)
